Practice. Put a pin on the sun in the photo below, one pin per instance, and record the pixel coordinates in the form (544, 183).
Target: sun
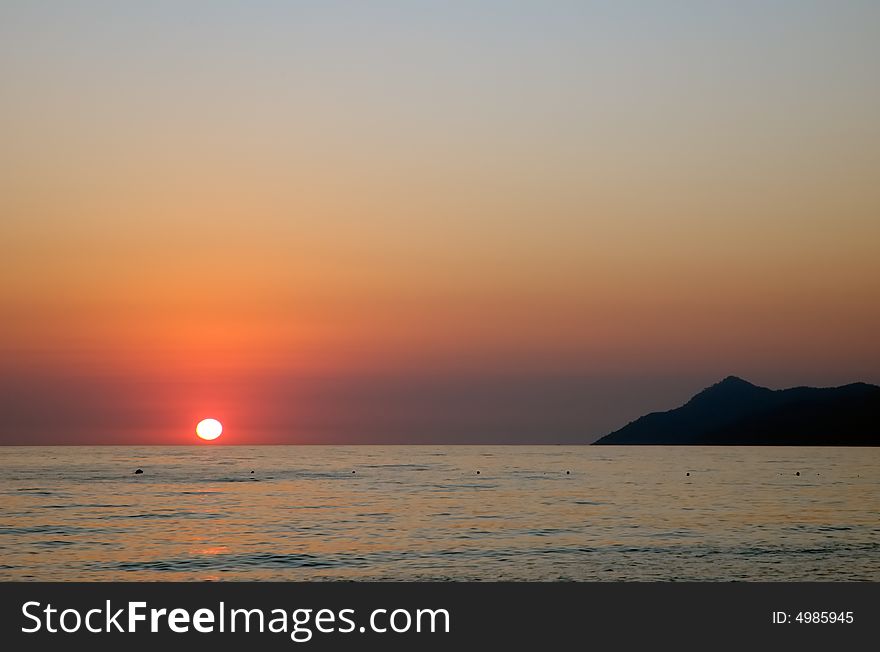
(209, 429)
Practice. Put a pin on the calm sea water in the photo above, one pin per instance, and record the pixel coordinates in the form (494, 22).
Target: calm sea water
(532, 513)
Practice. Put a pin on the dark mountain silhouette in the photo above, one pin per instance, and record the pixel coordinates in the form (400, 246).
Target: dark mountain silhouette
(736, 412)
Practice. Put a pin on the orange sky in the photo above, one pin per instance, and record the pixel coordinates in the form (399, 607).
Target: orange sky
(220, 199)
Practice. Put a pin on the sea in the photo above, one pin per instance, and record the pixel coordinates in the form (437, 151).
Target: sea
(465, 513)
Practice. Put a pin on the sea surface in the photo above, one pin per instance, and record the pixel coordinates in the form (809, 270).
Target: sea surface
(439, 513)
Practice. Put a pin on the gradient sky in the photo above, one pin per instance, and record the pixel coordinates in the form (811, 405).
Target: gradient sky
(428, 221)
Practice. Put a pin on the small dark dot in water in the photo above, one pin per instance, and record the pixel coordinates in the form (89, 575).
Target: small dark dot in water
(478, 473)
(139, 471)
(353, 471)
(568, 473)
(688, 474)
(798, 473)
(252, 470)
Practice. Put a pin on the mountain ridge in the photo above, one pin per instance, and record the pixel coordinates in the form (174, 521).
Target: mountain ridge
(734, 411)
